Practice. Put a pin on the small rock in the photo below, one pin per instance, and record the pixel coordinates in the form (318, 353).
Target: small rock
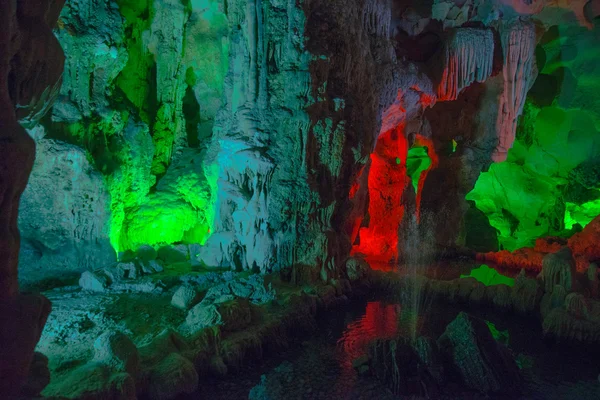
(127, 270)
(202, 316)
(94, 282)
(184, 297)
(173, 376)
(356, 269)
(116, 350)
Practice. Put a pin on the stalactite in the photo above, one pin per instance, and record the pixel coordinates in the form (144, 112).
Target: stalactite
(518, 44)
(377, 17)
(469, 56)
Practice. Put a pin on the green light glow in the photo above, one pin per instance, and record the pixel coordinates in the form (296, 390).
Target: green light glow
(581, 214)
(500, 336)
(523, 196)
(454, 145)
(489, 276)
(417, 162)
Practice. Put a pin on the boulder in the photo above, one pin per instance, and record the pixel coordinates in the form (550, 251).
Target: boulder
(173, 376)
(146, 253)
(94, 281)
(184, 297)
(116, 350)
(482, 363)
(201, 316)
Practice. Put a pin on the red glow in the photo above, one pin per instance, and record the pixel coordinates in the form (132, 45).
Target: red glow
(356, 184)
(379, 322)
(423, 141)
(387, 181)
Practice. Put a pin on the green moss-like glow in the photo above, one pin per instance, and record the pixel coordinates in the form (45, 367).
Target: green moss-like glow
(581, 214)
(549, 182)
(417, 162)
(489, 276)
(500, 336)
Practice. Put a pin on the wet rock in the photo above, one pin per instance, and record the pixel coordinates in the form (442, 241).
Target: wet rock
(94, 281)
(39, 376)
(397, 364)
(482, 363)
(558, 269)
(173, 376)
(184, 297)
(429, 356)
(116, 350)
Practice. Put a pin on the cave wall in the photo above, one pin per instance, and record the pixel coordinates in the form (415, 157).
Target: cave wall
(31, 63)
(248, 127)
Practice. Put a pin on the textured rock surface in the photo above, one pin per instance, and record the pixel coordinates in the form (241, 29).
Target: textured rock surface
(64, 218)
(482, 363)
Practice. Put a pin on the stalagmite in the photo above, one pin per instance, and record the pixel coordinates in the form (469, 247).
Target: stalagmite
(518, 44)
(469, 56)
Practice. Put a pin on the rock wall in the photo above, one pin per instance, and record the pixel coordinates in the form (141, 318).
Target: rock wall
(64, 215)
(31, 64)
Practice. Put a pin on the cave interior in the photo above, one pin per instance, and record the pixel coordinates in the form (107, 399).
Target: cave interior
(299, 199)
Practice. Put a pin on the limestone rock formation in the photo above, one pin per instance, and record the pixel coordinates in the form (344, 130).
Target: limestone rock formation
(482, 363)
(559, 269)
(64, 218)
(469, 58)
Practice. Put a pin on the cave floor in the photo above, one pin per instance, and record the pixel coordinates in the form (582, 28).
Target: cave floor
(321, 366)
(318, 365)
